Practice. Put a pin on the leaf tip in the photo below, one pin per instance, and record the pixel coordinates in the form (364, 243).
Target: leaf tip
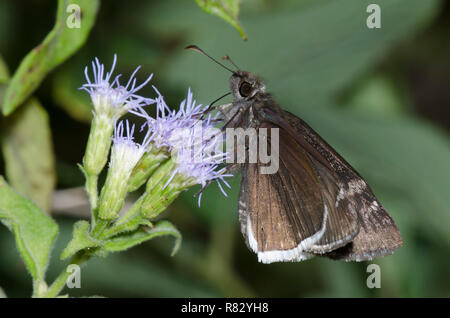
(6, 109)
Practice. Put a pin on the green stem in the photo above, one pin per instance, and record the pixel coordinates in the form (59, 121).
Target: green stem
(99, 227)
(92, 190)
(60, 282)
(78, 259)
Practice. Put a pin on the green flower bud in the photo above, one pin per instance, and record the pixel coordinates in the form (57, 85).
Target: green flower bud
(163, 187)
(151, 160)
(157, 195)
(125, 154)
(98, 145)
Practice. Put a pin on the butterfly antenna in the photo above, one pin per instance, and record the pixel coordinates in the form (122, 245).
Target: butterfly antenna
(196, 48)
(226, 57)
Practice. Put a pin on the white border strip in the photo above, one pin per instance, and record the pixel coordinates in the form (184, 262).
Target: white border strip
(295, 254)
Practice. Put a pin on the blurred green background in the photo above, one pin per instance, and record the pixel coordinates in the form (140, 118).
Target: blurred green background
(381, 97)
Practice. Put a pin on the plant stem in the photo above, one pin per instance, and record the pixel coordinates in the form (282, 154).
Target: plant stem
(60, 282)
(121, 222)
(81, 257)
(92, 190)
(99, 227)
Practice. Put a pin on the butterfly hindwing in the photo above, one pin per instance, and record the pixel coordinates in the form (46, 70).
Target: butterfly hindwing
(277, 219)
(378, 235)
(342, 225)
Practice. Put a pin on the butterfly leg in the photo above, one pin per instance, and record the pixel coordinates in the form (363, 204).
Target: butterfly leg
(231, 122)
(233, 119)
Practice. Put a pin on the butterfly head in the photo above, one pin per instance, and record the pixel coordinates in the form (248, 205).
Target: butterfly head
(244, 85)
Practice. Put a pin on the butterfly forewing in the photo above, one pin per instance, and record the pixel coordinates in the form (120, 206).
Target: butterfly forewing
(290, 214)
(340, 226)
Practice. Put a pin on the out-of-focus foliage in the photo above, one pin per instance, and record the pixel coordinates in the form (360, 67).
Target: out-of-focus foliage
(350, 83)
(66, 95)
(4, 73)
(60, 43)
(34, 231)
(28, 153)
(225, 9)
(27, 148)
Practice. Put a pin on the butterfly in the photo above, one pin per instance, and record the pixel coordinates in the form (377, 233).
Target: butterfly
(316, 203)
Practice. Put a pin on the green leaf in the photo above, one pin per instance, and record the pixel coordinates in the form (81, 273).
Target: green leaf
(60, 44)
(34, 231)
(4, 72)
(129, 226)
(2, 293)
(125, 241)
(81, 240)
(4, 78)
(66, 95)
(378, 95)
(227, 10)
(28, 153)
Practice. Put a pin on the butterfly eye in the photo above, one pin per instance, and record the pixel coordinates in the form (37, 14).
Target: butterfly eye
(245, 89)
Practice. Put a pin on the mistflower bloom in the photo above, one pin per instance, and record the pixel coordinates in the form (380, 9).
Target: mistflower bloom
(169, 131)
(108, 96)
(200, 167)
(188, 138)
(195, 148)
(167, 128)
(111, 101)
(125, 154)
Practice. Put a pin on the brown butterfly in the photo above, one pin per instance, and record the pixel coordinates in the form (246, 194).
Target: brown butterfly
(315, 204)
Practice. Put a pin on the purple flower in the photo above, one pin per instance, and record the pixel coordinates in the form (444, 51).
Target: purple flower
(168, 124)
(200, 168)
(196, 145)
(109, 96)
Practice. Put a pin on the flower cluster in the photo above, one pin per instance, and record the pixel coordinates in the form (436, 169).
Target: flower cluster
(111, 101)
(194, 143)
(180, 148)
